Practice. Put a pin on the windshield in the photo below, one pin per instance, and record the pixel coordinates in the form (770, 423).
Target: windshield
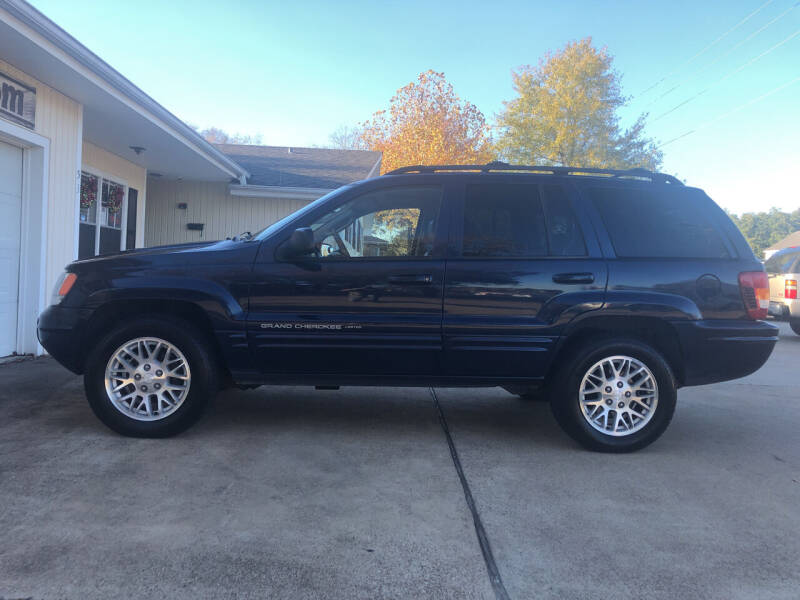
(278, 225)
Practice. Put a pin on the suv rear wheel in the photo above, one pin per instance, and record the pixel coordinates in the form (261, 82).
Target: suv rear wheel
(150, 377)
(795, 325)
(614, 395)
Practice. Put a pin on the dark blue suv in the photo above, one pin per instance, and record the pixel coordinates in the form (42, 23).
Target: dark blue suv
(601, 291)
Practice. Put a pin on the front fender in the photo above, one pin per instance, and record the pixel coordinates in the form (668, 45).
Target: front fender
(220, 302)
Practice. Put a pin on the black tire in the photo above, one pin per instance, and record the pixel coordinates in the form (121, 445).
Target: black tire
(565, 402)
(194, 346)
(529, 394)
(795, 325)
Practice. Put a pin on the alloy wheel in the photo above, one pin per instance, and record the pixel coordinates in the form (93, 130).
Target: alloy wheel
(147, 379)
(618, 395)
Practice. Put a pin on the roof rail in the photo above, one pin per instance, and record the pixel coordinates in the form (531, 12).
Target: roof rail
(499, 167)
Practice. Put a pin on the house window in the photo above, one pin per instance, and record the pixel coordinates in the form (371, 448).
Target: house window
(103, 204)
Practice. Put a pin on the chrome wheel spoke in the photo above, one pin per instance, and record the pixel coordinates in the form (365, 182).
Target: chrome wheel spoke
(618, 395)
(147, 379)
(123, 384)
(127, 397)
(125, 363)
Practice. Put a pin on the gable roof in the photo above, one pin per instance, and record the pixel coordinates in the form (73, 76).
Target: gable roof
(790, 241)
(322, 168)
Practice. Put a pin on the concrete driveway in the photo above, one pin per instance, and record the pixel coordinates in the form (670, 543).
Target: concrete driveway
(291, 492)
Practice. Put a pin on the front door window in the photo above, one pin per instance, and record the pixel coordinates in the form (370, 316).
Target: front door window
(392, 223)
(102, 211)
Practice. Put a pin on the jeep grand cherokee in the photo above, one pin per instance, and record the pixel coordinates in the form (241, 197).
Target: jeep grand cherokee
(602, 291)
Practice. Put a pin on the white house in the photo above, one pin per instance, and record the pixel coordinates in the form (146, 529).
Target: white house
(90, 164)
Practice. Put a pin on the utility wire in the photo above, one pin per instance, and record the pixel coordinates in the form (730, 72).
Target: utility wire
(732, 111)
(729, 75)
(719, 58)
(708, 47)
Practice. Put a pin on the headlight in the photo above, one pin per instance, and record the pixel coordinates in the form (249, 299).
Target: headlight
(63, 286)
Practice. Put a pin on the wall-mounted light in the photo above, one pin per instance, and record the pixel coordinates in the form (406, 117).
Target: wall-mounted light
(183, 205)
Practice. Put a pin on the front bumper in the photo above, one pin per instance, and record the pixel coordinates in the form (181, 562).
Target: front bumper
(60, 332)
(718, 350)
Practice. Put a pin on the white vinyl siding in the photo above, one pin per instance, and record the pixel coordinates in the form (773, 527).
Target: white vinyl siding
(209, 203)
(59, 119)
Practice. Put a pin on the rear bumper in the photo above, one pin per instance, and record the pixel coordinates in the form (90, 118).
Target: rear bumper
(60, 332)
(785, 310)
(716, 351)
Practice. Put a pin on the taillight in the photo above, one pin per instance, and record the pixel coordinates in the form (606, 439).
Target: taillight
(755, 293)
(790, 289)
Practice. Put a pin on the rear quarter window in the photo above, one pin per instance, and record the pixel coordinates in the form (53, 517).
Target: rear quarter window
(657, 223)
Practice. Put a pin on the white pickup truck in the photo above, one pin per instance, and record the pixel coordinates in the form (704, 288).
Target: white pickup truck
(783, 270)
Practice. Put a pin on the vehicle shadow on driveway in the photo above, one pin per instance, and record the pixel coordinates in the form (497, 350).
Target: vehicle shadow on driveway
(379, 409)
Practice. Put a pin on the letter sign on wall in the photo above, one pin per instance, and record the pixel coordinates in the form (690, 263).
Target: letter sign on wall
(17, 101)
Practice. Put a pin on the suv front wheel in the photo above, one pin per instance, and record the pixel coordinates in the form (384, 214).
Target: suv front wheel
(614, 395)
(150, 377)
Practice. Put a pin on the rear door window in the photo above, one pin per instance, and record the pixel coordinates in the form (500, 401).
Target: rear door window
(657, 223)
(520, 221)
(503, 221)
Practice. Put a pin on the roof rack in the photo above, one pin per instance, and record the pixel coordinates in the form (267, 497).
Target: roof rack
(500, 167)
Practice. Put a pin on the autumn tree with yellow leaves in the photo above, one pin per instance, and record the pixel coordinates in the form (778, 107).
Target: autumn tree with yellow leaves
(565, 113)
(428, 124)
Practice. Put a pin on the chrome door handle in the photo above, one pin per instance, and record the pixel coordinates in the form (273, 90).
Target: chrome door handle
(412, 279)
(573, 278)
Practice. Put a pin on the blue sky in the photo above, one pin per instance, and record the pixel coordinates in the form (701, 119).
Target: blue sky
(294, 71)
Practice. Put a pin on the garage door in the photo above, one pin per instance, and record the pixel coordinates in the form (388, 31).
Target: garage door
(10, 223)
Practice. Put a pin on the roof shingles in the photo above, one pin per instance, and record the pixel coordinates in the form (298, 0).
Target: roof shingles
(322, 168)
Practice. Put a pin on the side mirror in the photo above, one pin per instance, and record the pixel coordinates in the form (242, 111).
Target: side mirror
(300, 243)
